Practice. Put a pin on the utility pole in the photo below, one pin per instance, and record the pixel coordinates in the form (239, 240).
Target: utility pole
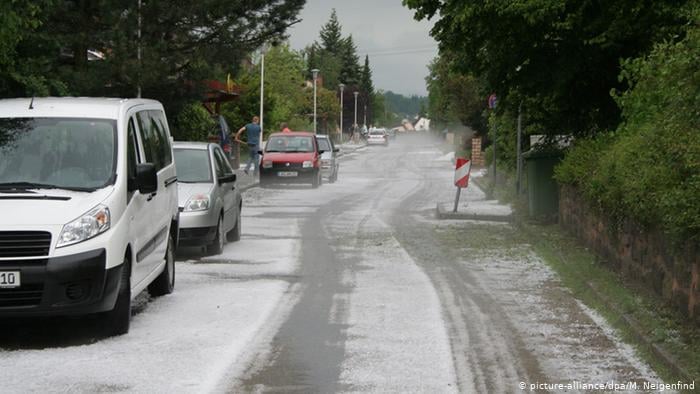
(355, 124)
(262, 93)
(138, 52)
(519, 164)
(315, 74)
(365, 116)
(342, 89)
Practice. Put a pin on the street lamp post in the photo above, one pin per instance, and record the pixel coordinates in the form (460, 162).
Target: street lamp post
(262, 93)
(342, 89)
(365, 116)
(315, 73)
(355, 123)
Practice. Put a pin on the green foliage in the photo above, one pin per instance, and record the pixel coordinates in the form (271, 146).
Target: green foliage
(331, 34)
(45, 44)
(454, 98)
(403, 106)
(349, 62)
(649, 168)
(561, 56)
(193, 123)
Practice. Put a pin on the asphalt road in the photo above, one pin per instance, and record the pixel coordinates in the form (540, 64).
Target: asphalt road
(352, 287)
(392, 299)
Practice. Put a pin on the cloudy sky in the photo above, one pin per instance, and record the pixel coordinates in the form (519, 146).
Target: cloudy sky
(399, 47)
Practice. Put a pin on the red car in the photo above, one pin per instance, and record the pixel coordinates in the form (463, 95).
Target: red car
(291, 157)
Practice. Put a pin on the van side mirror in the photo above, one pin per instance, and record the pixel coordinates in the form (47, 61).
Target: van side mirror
(320, 152)
(146, 178)
(260, 152)
(227, 179)
(336, 150)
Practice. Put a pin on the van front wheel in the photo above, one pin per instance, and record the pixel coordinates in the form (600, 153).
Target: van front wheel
(116, 322)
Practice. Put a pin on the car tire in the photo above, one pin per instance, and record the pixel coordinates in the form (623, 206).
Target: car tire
(116, 322)
(235, 233)
(217, 247)
(165, 282)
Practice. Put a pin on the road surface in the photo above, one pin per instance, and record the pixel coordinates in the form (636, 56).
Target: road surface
(353, 287)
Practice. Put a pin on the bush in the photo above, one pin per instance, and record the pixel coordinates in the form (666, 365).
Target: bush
(193, 123)
(649, 168)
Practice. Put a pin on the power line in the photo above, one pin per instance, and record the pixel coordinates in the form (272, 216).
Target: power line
(398, 50)
(404, 52)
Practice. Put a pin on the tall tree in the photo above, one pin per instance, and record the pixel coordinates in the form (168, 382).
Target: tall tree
(331, 35)
(182, 42)
(368, 89)
(563, 54)
(26, 57)
(366, 78)
(350, 62)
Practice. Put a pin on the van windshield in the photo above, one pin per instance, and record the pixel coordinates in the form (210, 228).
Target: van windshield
(63, 153)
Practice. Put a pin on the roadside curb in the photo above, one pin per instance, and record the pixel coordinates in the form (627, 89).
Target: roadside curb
(444, 214)
(660, 353)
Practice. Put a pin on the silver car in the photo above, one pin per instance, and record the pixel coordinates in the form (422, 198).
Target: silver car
(329, 158)
(210, 205)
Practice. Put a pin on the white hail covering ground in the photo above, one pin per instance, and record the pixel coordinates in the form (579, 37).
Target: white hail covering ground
(186, 342)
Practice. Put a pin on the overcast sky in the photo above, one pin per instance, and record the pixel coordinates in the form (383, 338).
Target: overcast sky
(398, 46)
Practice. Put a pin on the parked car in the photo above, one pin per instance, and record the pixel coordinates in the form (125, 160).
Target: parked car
(209, 203)
(292, 157)
(329, 159)
(377, 137)
(88, 198)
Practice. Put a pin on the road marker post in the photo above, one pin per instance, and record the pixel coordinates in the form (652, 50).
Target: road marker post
(462, 168)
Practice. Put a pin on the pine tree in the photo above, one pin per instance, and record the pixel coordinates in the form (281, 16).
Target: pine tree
(350, 67)
(366, 78)
(331, 36)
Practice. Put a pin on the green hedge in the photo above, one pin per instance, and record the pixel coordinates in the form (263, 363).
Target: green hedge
(648, 169)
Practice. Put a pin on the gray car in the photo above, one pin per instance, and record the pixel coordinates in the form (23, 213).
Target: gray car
(209, 203)
(329, 158)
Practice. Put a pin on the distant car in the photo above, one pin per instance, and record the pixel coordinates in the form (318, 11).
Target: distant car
(329, 158)
(377, 137)
(210, 205)
(292, 157)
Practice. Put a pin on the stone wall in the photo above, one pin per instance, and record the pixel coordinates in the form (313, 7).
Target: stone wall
(477, 155)
(645, 256)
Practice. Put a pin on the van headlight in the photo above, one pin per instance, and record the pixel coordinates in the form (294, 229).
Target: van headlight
(93, 223)
(307, 164)
(198, 202)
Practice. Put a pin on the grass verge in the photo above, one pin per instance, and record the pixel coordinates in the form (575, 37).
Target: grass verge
(661, 335)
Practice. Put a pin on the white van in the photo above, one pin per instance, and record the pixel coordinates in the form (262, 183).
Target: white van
(88, 206)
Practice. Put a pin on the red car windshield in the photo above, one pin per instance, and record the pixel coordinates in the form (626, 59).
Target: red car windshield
(290, 144)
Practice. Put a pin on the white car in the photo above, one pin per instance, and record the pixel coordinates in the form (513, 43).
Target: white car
(329, 158)
(88, 195)
(209, 203)
(377, 137)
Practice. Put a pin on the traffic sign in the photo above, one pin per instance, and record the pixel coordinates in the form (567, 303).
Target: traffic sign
(493, 101)
(462, 168)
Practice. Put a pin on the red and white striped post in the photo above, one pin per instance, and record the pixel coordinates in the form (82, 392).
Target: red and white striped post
(462, 168)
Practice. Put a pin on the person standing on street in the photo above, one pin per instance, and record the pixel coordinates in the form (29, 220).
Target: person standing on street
(253, 140)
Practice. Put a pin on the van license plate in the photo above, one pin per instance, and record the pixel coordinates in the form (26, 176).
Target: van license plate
(287, 173)
(9, 279)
